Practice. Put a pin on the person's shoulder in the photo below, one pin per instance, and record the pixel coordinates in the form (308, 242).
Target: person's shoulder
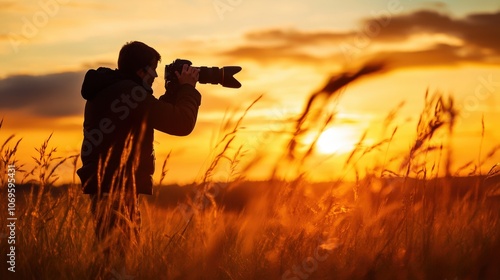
(126, 83)
(127, 87)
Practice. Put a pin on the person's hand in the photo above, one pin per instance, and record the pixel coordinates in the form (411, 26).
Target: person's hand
(189, 75)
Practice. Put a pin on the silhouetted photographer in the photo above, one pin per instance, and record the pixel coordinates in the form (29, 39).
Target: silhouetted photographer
(121, 115)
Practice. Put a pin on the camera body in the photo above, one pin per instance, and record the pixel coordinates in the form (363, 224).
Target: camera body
(212, 75)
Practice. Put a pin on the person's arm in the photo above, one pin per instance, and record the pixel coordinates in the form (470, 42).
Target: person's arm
(177, 118)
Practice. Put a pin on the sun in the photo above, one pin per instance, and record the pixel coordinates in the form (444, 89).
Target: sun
(337, 140)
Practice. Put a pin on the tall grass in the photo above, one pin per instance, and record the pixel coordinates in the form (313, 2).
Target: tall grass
(399, 219)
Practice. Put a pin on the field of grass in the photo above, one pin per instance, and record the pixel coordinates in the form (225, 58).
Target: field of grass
(410, 222)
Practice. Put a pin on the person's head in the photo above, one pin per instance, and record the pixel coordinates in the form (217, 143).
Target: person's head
(137, 58)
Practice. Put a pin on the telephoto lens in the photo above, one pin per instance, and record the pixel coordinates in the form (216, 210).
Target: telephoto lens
(208, 75)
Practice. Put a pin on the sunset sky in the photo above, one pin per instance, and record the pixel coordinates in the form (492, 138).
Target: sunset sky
(287, 49)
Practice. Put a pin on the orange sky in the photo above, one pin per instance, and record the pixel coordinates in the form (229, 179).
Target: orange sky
(287, 49)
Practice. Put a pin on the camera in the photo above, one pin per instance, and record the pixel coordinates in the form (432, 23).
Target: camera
(212, 75)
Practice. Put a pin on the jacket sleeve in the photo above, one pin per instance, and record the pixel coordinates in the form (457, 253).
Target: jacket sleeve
(178, 118)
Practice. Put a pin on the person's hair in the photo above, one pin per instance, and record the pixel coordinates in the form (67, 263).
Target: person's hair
(136, 55)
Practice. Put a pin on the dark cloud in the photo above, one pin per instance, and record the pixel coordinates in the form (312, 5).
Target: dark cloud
(480, 30)
(273, 54)
(293, 36)
(479, 33)
(285, 45)
(483, 30)
(439, 55)
(53, 95)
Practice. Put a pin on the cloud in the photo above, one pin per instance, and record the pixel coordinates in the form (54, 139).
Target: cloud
(272, 54)
(52, 95)
(480, 29)
(477, 34)
(293, 36)
(439, 55)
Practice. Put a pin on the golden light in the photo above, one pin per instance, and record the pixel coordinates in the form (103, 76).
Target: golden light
(336, 140)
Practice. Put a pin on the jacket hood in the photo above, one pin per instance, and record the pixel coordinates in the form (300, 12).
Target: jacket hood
(97, 80)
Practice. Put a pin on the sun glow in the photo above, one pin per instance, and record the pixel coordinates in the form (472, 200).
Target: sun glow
(336, 140)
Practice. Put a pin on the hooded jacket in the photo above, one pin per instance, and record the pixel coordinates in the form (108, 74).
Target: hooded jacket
(121, 115)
